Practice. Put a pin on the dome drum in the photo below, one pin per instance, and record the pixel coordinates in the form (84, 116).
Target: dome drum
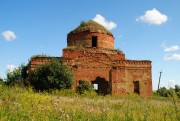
(91, 39)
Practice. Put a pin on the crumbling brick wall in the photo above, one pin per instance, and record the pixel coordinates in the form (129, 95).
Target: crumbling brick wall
(108, 68)
(111, 67)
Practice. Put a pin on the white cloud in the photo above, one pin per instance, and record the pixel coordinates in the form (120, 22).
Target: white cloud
(11, 67)
(172, 48)
(172, 57)
(9, 35)
(107, 24)
(153, 17)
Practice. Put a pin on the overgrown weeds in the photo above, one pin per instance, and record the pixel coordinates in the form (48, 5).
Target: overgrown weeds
(24, 104)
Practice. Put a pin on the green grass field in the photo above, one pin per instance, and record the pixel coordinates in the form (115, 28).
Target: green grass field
(19, 104)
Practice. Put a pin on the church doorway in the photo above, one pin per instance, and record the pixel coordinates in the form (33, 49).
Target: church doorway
(136, 87)
(94, 41)
(101, 86)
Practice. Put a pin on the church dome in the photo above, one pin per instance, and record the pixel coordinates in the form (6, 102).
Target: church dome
(90, 26)
(91, 34)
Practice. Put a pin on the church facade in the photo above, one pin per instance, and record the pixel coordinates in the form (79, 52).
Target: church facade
(91, 56)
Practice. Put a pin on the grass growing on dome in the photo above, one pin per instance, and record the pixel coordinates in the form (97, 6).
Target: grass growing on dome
(91, 26)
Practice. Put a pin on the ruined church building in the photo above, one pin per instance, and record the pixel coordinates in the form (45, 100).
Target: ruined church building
(91, 56)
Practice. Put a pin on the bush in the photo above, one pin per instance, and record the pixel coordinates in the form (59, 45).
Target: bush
(84, 86)
(52, 75)
(163, 92)
(177, 88)
(168, 92)
(178, 94)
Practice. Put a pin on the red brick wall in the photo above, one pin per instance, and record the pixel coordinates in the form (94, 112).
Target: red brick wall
(144, 78)
(103, 55)
(127, 72)
(108, 66)
(84, 39)
(37, 61)
(88, 64)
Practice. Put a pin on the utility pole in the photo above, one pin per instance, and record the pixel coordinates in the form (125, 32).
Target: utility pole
(159, 79)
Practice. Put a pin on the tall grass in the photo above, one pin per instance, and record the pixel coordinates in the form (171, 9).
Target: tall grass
(24, 104)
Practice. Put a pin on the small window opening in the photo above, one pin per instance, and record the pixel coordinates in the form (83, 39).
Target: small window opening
(94, 41)
(136, 87)
(95, 86)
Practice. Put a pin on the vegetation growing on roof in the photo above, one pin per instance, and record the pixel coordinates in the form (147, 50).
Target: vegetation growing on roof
(119, 50)
(36, 56)
(39, 55)
(91, 26)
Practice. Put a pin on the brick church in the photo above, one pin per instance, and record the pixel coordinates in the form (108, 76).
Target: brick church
(91, 56)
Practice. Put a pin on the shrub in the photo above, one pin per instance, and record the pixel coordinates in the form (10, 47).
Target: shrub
(177, 89)
(178, 94)
(84, 86)
(52, 75)
(168, 92)
(163, 92)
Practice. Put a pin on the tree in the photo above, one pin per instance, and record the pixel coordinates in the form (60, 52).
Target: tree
(17, 76)
(1, 81)
(52, 75)
(177, 88)
(163, 92)
(13, 77)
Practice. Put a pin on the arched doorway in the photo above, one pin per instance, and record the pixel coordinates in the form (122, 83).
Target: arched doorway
(101, 86)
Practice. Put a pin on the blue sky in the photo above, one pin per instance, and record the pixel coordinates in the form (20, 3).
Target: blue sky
(143, 30)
